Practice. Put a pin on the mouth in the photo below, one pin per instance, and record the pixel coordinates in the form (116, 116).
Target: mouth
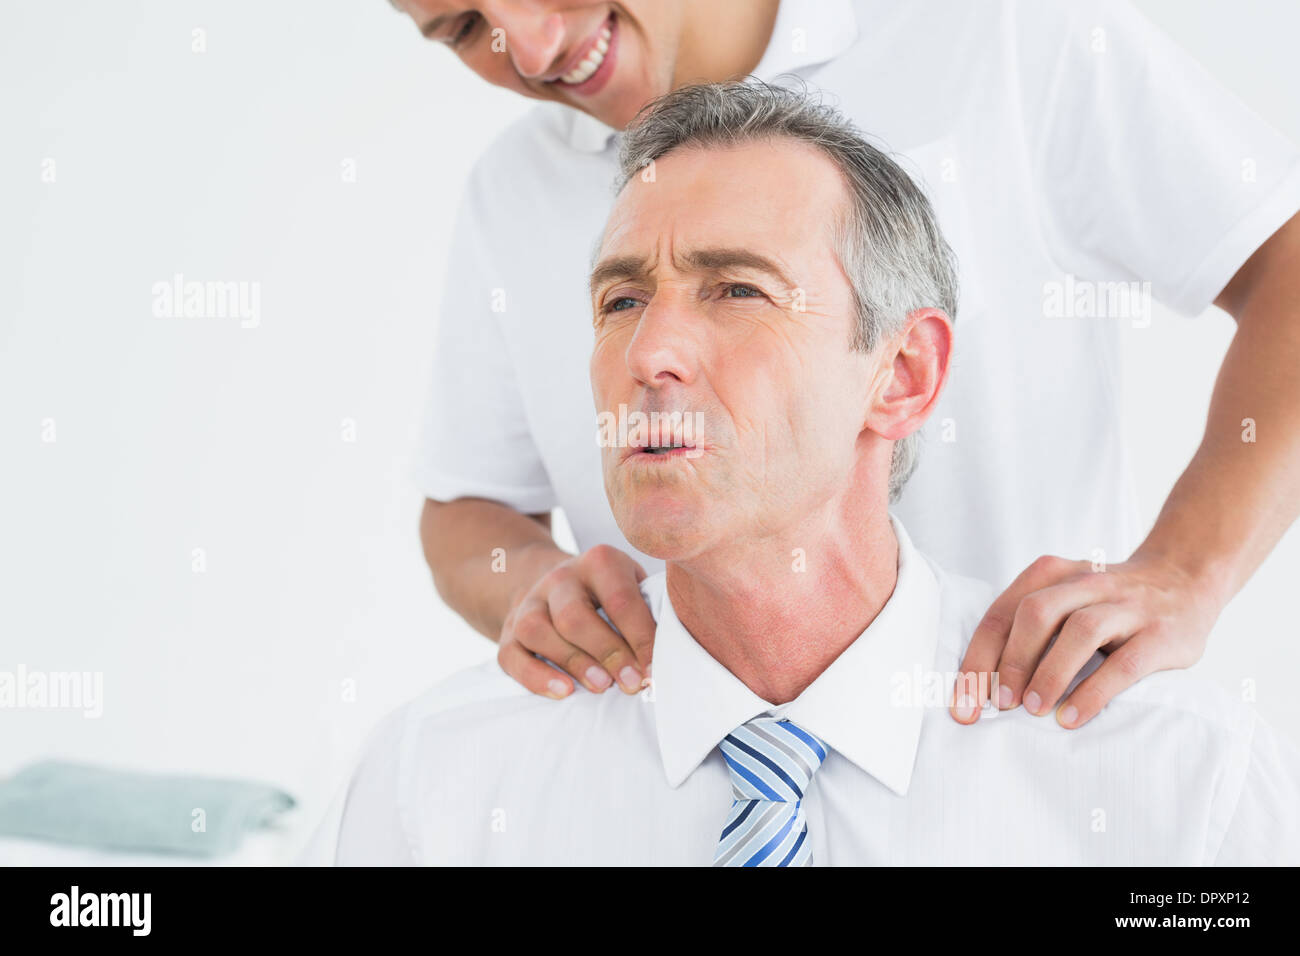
(591, 66)
(662, 454)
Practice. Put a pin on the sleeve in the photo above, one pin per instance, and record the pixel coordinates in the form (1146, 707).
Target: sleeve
(1145, 168)
(1264, 829)
(476, 440)
(371, 831)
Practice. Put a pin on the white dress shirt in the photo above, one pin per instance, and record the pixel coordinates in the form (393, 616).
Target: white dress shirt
(1059, 142)
(479, 771)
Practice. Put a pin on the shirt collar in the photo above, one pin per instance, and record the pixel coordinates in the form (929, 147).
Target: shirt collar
(853, 705)
(805, 33)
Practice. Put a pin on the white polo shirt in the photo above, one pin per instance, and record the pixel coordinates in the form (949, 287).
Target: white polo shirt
(478, 771)
(1073, 155)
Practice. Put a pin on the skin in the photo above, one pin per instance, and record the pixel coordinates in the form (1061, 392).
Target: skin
(662, 44)
(1152, 612)
(797, 428)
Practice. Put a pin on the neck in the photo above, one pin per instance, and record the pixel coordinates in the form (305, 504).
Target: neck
(776, 610)
(723, 40)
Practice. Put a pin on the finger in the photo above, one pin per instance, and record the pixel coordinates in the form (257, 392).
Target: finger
(985, 648)
(618, 593)
(596, 653)
(968, 696)
(982, 655)
(1038, 618)
(531, 627)
(981, 659)
(537, 676)
(1082, 634)
(1125, 667)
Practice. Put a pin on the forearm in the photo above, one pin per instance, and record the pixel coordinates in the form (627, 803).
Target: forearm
(1241, 490)
(479, 582)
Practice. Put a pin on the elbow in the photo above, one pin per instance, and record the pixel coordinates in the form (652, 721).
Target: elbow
(431, 518)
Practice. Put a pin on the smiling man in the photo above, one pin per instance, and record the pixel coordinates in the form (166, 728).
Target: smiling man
(785, 283)
(606, 59)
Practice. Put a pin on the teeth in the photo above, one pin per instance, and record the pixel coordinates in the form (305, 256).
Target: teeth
(591, 62)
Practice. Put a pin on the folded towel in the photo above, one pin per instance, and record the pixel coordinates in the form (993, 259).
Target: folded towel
(120, 810)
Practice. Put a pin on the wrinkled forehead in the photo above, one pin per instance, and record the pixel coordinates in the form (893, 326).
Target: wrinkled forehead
(776, 196)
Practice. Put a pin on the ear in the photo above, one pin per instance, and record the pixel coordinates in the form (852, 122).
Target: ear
(913, 371)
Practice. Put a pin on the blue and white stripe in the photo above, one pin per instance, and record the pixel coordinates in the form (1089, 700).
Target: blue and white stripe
(772, 761)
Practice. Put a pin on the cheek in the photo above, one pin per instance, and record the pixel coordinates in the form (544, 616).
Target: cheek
(833, 410)
(604, 370)
(800, 407)
(496, 69)
(760, 390)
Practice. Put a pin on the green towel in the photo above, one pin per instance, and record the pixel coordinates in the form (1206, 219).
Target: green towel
(145, 813)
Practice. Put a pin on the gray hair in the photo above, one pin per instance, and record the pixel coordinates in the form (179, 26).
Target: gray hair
(888, 240)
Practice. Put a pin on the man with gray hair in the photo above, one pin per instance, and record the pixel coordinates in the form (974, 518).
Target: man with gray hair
(895, 258)
(769, 277)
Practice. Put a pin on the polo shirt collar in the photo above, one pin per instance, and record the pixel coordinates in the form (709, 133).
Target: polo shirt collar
(805, 33)
(854, 705)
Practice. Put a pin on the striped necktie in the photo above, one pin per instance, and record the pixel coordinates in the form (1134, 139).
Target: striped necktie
(772, 761)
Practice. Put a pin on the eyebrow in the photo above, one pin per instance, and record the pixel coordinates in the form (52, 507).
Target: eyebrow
(716, 260)
(616, 268)
(700, 260)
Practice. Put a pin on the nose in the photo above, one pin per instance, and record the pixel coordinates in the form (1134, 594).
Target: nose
(662, 350)
(534, 34)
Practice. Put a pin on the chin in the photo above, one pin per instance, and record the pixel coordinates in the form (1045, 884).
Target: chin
(664, 543)
(664, 528)
(621, 110)
(625, 96)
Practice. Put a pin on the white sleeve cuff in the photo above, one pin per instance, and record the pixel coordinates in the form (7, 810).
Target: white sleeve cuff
(1214, 272)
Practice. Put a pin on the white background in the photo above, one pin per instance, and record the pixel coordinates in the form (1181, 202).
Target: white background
(177, 434)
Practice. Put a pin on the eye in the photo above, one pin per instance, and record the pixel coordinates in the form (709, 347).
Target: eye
(739, 290)
(464, 31)
(621, 304)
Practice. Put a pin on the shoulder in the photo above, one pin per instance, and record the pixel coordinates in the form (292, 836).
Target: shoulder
(485, 686)
(531, 181)
(941, 22)
(482, 690)
(1189, 714)
(541, 134)
(964, 601)
(483, 707)
(416, 750)
(545, 125)
(530, 147)
(486, 691)
(1186, 734)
